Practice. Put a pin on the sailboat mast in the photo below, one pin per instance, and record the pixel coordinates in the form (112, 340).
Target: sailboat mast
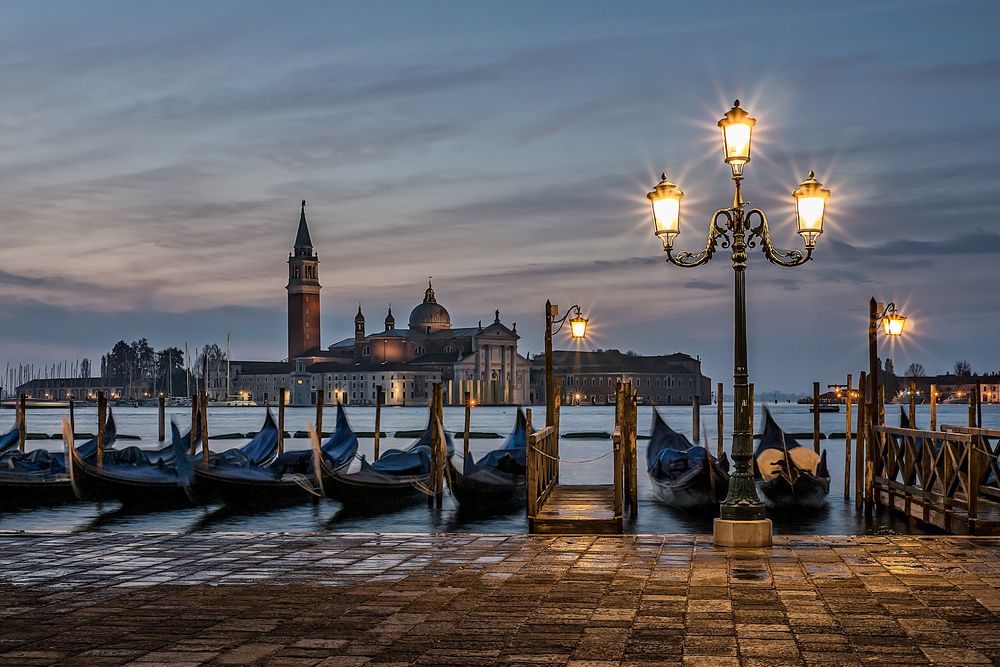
(229, 350)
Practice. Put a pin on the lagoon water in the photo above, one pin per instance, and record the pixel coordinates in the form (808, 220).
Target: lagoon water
(836, 518)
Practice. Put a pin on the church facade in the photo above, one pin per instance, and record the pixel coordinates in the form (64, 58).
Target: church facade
(405, 363)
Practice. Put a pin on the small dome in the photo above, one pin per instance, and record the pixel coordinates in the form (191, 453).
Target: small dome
(429, 314)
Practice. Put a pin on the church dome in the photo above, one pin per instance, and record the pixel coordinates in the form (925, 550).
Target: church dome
(430, 314)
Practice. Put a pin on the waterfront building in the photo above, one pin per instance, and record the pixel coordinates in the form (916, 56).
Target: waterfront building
(64, 388)
(591, 377)
(959, 387)
(483, 360)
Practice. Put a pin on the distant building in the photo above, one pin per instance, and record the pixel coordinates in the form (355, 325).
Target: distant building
(591, 377)
(949, 385)
(405, 362)
(61, 389)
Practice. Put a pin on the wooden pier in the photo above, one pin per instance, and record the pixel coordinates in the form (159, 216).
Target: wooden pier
(948, 478)
(555, 508)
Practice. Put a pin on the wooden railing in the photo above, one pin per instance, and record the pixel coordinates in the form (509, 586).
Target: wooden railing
(987, 448)
(939, 477)
(542, 472)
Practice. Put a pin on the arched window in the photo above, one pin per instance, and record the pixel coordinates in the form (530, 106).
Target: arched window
(447, 348)
(419, 350)
(366, 350)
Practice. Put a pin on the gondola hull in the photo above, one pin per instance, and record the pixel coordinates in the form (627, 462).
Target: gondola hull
(366, 492)
(19, 491)
(703, 487)
(211, 483)
(91, 482)
(807, 492)
(487, 489)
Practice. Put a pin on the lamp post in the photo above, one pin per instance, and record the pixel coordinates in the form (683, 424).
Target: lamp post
(577, 329)
(892, 323)
(742, 521)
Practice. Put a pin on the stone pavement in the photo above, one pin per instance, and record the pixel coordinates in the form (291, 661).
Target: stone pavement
(400, 599)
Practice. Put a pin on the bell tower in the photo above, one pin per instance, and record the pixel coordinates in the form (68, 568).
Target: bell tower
(303, 293)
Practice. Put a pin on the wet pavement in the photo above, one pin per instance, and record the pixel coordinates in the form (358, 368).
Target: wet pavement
(399, 599)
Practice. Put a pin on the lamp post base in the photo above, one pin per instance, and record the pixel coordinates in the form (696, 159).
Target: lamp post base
(747, 534)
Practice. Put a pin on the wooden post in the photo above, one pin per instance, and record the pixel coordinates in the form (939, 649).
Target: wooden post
(913, 404)
(816, 417)
(72, 416)
(281, 421)
(556, 405)
(973, 480)
(933, 407)
(619, 474)
(527, 418)
(195, 421)
(319, 413)
(22, 420)
(102, 409)
(972, 406)
(847, 441)
(441, 446)
(378, 419)
(204, 427)
(860, 457)
(467, 397)
(633, 462)
(161, 405)
(718, 420)
(696, 419)
(979, 405)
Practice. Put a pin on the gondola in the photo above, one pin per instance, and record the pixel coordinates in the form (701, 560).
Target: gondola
(791, 476)
(497, 479)
(285, 480)
(684, 476)
(398, 478)
(40, 477)
(127, 475)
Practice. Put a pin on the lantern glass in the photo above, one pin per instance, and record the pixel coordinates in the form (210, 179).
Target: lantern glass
(737, 131)
(893, 324)
(665, 200)
(578, 327)
(810, 209)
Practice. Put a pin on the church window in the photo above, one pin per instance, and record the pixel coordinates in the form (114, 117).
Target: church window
(295, 272)
(366, 350)
(447, 348)
(420, 349)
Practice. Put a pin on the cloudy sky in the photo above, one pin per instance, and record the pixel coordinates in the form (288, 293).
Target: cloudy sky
(152, 159)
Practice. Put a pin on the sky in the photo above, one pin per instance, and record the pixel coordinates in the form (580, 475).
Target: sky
(153, 157)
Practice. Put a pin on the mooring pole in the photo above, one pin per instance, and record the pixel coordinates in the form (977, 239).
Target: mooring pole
(913, 404)
(860, 454)
(696, 418)
(281, 421)
(161, 405)
(204, 427)
(102, 409)
(468, 423)
(816, 417)
(718, 420)
(847, 440)
(979, 405)
(72, 416)
(195, 421)
(933, 407)
(378, 419)
(319, 413)
(22, 417)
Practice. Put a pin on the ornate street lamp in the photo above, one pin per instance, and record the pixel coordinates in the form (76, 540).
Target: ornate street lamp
(742, 521)
(892, 323)
(577, 328)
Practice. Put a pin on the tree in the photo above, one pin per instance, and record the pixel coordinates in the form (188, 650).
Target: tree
(121, 361)
(144, 360)
(85, 368)
(963, 368)
(915, 370)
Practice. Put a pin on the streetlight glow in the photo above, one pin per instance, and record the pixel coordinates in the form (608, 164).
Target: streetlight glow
(665, 200)
(893, 324)
(578, 326)
(810, 207)
(737, 128)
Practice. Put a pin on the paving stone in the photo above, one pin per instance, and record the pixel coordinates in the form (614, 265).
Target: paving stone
(396, 599)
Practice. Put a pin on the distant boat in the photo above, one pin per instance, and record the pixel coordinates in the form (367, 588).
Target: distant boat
(684, 476)
(826, 407)
(497, 479)
(791, 476)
